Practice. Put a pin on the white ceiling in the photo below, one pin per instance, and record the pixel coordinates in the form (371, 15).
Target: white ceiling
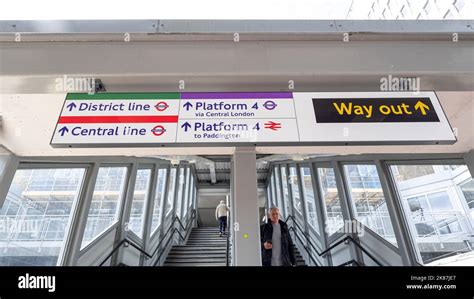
(30, 104)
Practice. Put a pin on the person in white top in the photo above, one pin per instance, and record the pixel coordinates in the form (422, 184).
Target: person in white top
(221, 216)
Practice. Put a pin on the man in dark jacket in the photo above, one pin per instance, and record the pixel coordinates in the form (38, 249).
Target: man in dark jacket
(277, 246)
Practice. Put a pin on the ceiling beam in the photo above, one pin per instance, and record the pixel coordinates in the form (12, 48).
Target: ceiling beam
(231, 26)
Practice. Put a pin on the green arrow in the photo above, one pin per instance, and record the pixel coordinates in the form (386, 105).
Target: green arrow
(421, 106)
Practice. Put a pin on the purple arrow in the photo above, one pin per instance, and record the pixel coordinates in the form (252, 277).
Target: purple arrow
(63, 130)
(71, 106)
(186, 126)
(187, 105)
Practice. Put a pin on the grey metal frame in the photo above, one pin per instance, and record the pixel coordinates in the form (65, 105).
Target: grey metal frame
(150, 167)
(282, 196)
(297, 213)
(74, 237)
(125, 195)
(276, 203)
(290, 190)
(469, 159)
(320, 211)
(124, 211)
(241, 26)
(187, 192)
(156, 232)
(311, 229)
(149, 213)
(304, 211)
(161, 220)
(144, 238)
(72, 250)
(346, 206)
(232, 228)
(406, 246)
(7, 177)
(176, 191)
(400, 226)
(273, 201)
(181, 186)
(167, 217)
(283, 211)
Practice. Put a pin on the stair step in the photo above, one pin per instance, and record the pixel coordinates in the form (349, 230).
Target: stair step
(209, 240)
(200, 248)
(300, 263)
(196, 256)
(208, 237)
(206, 243)
(221, 246)
(216, 234)
(204, 247)
(196, 260)
(197, 251)
(194, 264)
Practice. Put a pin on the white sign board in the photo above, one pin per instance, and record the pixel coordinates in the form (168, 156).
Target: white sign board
(251, 118)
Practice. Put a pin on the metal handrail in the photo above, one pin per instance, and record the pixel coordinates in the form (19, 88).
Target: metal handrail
(351, 262)
(347, 238)
(305, 248)
(227, 256)
(199, 220)
(128, 241)
(308, 239)
(185, 228)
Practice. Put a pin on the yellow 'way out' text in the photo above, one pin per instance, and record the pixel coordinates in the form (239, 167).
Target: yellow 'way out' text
(367, 110)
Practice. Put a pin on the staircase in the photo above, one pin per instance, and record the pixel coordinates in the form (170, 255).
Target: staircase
(299, 259)
(206, 248)
(203, 248)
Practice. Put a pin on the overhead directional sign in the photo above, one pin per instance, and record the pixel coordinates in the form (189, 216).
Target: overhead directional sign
(376, 110)
(252, 118)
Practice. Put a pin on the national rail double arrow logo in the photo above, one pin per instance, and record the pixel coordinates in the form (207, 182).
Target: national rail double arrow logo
(272, 125)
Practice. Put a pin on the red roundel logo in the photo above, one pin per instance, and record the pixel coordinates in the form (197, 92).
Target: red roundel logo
(158, 130)
(161, 106)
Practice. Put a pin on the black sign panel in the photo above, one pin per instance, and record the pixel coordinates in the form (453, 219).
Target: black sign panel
(373, 110)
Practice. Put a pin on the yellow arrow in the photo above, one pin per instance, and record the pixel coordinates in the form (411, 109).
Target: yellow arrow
(421, 106)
